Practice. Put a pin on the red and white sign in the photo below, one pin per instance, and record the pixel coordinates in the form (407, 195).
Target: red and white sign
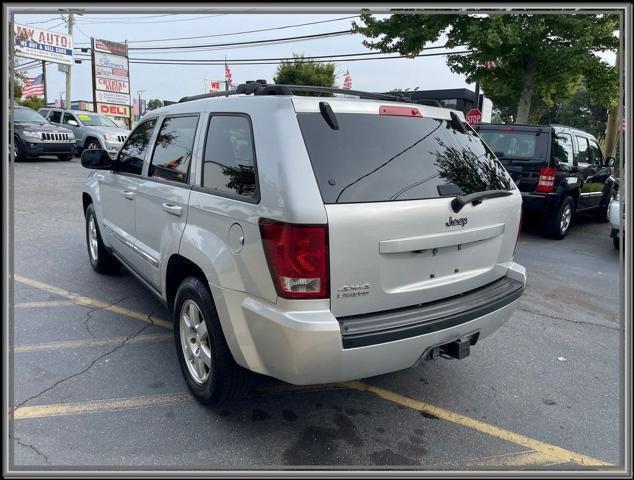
(213, 86)
(110, 85)
(474, 116)
(31, 42)
(347, 81)
(112, 97)
(113, 110)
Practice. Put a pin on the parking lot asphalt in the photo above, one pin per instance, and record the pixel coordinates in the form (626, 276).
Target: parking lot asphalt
(96, 381)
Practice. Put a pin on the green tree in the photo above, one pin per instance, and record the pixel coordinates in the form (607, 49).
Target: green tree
(302, 70)
(153, 104)
(540, 59)
(580, 111)
(32, 102)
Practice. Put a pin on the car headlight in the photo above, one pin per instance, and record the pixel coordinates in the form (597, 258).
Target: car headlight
(32, 134)
(71, 135)
(108, 137)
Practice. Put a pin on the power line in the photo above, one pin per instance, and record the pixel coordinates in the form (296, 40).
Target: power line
(88, 21)
(278, 61)
(283, 27)
(308, 57)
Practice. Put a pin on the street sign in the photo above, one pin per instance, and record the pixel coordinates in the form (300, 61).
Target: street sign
(31, 42)
(474, 116)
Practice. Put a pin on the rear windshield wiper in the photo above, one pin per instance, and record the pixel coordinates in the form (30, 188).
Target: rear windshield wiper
(476, 198)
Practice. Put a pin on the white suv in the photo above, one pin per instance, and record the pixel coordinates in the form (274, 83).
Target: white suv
(310, 238)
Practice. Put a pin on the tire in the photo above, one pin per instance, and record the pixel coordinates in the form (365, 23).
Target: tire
(92, 144)
(616, 243)
(100, 259)
(210, 371)
(19, 152)
(557, 227)
(66, 158)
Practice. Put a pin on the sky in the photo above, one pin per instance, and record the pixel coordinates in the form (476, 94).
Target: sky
(171, 82)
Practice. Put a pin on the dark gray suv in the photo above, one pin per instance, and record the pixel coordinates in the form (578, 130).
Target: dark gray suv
(35, 137)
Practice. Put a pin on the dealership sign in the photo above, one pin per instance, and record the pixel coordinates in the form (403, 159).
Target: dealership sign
(213, 86)
(31, 42)
(111, 78)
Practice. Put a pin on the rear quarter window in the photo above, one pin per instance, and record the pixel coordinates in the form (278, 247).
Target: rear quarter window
(379, 158)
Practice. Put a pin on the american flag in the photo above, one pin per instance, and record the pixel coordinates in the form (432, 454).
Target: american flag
(228, 75)
(347, 81)
(33, 87)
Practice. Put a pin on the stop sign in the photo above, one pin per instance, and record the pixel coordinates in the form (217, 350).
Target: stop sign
(474, 116)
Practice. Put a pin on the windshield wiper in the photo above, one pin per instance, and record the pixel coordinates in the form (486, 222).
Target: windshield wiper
(476, 198)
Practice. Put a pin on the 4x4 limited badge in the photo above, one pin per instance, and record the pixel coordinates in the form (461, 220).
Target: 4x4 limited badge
(353, 290)
(456, 221)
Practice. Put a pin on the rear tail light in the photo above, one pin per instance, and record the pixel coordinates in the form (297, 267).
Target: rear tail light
(546, 182)
(297, 256)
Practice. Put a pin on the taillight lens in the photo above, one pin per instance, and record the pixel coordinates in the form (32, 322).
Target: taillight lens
(298, 258)
(546, 182)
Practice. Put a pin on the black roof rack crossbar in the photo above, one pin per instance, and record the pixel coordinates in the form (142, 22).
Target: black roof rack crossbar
(258, 88)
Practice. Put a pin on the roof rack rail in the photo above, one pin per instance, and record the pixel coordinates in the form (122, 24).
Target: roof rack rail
(260, 87)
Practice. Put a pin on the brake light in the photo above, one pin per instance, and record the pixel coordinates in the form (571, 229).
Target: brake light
(399, 111)
(297, 256)
(546, 182)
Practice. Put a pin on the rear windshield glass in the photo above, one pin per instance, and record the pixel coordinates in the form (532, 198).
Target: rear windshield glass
(516, 145)
(378, 158)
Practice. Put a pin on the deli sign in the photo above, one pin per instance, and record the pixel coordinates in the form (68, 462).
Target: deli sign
(31, 42)
(113, 110)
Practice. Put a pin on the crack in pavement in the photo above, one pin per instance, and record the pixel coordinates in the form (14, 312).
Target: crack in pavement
(32, 447)
(90, 365)
(89, 313)
(581, 322)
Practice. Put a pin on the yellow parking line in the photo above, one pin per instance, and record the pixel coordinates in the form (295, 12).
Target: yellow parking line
(92, 342)
(98, 406)
(52, 303)
(81, 300)
(526, 458)
(552, 451)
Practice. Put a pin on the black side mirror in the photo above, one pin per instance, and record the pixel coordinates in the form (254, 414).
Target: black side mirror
(610, 162)
(96, 159)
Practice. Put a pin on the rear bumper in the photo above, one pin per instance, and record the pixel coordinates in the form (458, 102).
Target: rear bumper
(38, 149)
(544, 203)
(307, 346)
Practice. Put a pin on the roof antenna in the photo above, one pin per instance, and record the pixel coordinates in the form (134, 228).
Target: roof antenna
(329, 115)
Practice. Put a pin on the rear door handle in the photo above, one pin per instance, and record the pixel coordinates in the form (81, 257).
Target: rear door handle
(129, 194)
(173, 209)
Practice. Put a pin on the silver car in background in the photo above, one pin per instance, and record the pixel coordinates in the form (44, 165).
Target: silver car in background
(311, 239)
(92, 130)
(614, 216)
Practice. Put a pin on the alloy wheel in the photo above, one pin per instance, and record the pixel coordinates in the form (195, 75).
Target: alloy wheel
(195, 342)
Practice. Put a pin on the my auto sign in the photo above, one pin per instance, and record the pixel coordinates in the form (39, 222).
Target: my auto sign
(111, 77)
(31, 42)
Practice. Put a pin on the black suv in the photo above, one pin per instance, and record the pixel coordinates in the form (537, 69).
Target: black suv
(34, 137)
(559, 170)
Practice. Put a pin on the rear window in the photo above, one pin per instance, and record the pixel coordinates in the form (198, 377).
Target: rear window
(516, 145)
(378, 158)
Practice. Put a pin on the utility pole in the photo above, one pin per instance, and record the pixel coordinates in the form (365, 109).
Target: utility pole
(44, 82)
(139, 92)
(71, 22)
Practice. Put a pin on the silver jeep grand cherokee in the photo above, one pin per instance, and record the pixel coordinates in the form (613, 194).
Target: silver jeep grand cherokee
(309, 238)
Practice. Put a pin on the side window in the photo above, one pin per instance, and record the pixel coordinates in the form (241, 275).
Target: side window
(67, 117)
(55, 117)
(595, 154)
(43, 112)
(132, 154)
(562, 148)
(229, 162)
(583, 155)
(173, 149)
